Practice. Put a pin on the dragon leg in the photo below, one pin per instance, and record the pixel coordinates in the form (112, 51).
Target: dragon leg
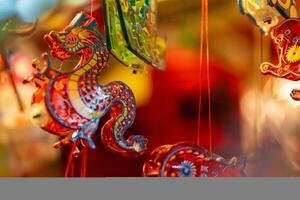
(86, 132)
(122, 113)
(269, 68)
(282, 71)
(287, 71)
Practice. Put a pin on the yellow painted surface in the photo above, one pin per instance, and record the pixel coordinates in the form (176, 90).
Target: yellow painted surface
(72, 85)
(140, 83)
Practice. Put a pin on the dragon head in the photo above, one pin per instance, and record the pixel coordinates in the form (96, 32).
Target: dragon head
(80, 36)
(286, 40)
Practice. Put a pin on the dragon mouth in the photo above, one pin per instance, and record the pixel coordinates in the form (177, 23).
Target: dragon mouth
(49, 38)
(55, 45)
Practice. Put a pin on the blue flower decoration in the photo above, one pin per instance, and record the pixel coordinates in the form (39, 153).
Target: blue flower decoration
(187, 169)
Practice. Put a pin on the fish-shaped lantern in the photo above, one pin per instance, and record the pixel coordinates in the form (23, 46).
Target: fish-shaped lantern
(189, 160)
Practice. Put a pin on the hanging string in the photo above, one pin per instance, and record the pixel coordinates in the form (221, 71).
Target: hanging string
(204, 21)
(208, 76)
(92, 8)
(83, 161)
(70, 164)
(72, 169)
(10, 76)
(200, 70)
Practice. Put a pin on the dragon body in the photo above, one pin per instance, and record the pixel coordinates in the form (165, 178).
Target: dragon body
(71, 104)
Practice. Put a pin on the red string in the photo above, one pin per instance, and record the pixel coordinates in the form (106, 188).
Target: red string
(92, 5)
(200, 78)
(83, 161)
(72, 169)
(204, 20)
(208, 76)
(70, 164)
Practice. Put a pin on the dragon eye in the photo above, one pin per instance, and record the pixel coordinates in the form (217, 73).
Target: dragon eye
(287, 32)
(295, 39)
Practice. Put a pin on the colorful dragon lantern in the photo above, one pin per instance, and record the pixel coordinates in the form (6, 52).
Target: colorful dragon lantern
(187, 160)
(285, 38)
(265, 13)
(70, 104)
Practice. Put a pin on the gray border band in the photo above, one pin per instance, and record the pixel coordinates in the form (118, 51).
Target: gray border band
(150, 188)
